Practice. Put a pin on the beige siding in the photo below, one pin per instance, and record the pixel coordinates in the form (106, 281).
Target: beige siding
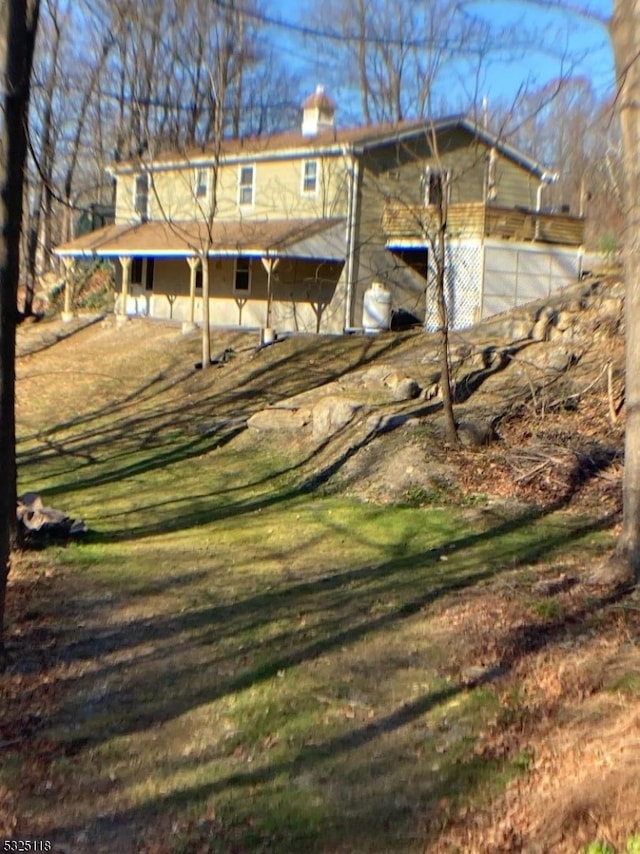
(515, 186)
(278, 192)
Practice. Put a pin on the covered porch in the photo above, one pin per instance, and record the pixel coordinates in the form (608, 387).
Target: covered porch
(284, 274)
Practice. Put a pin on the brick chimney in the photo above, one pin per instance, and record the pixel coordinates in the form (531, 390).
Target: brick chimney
(318, 113)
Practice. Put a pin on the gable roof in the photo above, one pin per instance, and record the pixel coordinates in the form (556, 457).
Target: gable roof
(356, 141)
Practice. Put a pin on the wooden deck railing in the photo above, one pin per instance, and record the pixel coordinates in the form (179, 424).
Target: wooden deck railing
(476, 219)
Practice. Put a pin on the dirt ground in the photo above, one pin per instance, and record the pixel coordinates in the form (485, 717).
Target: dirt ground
(569, 700)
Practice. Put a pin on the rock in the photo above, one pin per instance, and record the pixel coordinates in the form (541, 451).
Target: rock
(387, 423)
(374, 377)
(35, 518)
(545, 320)
(558, 360)
(564, 321)
(518, 329)
(401, 386)
(279, 418)
(406, 389)
(331, 414)
(549, 358)
(475, 434)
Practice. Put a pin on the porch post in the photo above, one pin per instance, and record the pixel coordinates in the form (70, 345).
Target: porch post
(67, 313)
(270, 265)
(125, 263)
(194, 262)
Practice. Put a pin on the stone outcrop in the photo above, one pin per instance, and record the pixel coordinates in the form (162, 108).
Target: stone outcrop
(279, 418)
(331, 414)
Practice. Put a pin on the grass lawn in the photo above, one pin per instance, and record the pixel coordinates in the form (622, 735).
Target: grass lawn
(240, 662)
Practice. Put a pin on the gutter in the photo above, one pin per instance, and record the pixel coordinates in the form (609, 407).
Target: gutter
(160, 165)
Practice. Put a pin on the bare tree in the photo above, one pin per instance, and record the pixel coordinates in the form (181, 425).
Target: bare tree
(47, 74)
(566, 124)
(625, 36)
(396, 52)
(18, 26)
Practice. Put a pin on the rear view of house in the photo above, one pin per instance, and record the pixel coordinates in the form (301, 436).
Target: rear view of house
(294, 228)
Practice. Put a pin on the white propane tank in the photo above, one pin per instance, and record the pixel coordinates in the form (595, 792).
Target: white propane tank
(376, 308)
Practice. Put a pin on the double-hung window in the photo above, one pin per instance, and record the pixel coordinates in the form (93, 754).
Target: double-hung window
(141, 195)
(246, 185)
(309, 177)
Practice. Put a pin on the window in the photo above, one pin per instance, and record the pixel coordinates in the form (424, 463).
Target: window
(136, 271)
(201, 183)
(436, 186)
(242, 278)
(310, 177)
(141, 195)
(199, 277)
(245, 194)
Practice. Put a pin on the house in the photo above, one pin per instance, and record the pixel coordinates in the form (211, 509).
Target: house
(296, 227)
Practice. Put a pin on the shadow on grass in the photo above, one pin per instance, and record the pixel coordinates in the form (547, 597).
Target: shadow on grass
(141, 417)
(145, 672)
(343, 608)
(365, 823)
(152, 671)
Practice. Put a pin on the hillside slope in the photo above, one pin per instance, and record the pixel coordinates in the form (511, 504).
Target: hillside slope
(300, 621)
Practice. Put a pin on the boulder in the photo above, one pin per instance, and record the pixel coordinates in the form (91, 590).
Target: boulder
(388, 378)
(279, 418)
(401, 386)
(475, 434)
(331, 414)
(545, 321)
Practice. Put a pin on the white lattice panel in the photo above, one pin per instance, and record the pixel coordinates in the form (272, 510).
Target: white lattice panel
(463, 284)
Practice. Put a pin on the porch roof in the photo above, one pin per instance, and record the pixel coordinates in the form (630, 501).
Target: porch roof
(274, 238)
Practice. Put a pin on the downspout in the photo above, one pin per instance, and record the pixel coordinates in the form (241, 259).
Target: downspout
(545, 178)
(352, 211)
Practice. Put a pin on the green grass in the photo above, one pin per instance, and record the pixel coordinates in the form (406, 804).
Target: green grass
(247, 656)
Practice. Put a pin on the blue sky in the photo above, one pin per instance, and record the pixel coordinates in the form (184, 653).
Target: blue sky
(556, 43)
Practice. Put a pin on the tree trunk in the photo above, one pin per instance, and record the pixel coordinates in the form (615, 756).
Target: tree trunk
(450, 429)
(18, 24)
(206, 330)
(625, 37)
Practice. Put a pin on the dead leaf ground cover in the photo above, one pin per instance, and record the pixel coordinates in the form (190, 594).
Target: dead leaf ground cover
(245, 655)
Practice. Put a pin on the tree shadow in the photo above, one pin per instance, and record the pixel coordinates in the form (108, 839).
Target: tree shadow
(369, 819)
(344, 605)
(141, 421)
(496, 360)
